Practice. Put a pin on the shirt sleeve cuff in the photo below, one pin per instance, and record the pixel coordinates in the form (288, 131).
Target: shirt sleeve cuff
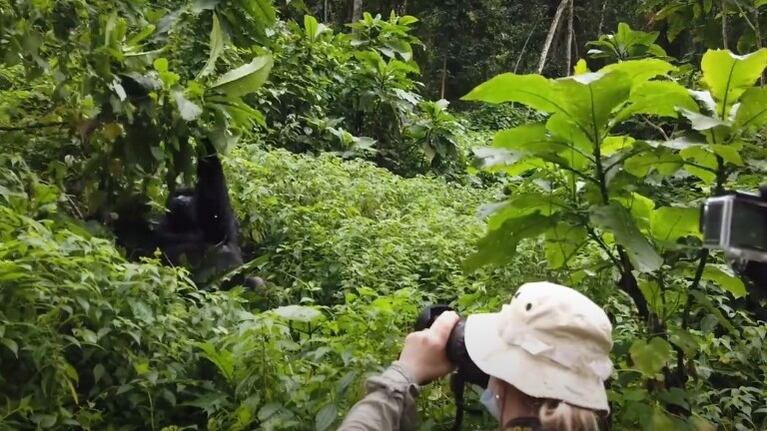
(397, 378)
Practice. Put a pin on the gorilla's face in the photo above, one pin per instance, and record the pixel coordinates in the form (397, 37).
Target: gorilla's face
(182, 211)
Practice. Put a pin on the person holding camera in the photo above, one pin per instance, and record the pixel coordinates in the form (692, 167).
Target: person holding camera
(545, 356)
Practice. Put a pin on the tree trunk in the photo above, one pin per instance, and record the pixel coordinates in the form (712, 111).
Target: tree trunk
(552, 32)
(325, 11)
(444, 77)
(570, 34)
(356, 10)
(602, 18)
(524, 47)
(725, 43)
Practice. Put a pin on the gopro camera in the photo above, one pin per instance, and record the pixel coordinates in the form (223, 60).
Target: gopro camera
(737, 224)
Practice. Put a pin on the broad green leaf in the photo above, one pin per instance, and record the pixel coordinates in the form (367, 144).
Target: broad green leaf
(617, 220)
(526, 137)
(671, 223)
(752, 112)
(683, 339)
(641, 209)
(729, 153)
(588, 100)
(298, 313)
(534, 91)
(500, 245)
(653, 294)
(581, 67)
(567, 134)
(726, 279)
(245, 79)
(616, 144)
(759, 3)
(224, 360)
(313, 28)
(705, 161)
(407, 20)
(525, 204)
(660, 159)
(728, 75)
(657, 98)
(562, 242)
(262, 11)
(11, 345)
(650, 358)
(325, 417)
(640, 71)
(216, 47)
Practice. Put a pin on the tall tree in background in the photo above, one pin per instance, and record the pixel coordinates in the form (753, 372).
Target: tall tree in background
(357, 10)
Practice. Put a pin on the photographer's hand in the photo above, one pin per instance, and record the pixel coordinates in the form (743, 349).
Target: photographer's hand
(424, 354)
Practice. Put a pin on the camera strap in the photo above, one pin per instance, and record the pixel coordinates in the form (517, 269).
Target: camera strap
(458, 385)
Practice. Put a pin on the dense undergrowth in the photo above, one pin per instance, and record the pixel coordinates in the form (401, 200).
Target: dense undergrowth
(358, 206)
(95, 341)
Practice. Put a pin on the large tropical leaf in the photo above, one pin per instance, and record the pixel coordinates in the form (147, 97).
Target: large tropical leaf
(728, 75)
(615, 219)
(534, 91)
(245, 79)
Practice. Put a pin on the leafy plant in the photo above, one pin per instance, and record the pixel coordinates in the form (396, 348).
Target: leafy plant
(626, 44)
(601, 187)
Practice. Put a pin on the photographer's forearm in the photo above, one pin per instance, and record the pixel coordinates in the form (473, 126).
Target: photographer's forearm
(389, 405)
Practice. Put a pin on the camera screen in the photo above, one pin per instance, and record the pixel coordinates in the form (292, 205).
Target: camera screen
(712, 228)
(749, 225)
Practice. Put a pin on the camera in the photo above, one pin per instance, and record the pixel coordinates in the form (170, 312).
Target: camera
(737, 224)
(466, 370)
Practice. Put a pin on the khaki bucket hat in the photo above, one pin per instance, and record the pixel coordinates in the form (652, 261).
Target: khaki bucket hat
(549, 342)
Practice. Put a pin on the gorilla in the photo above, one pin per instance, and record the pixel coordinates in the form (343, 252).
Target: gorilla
(198, 230)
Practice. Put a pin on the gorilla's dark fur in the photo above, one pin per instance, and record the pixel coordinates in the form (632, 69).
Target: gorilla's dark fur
(199, 229)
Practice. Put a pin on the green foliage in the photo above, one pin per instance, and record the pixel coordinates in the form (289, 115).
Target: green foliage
(356, 95)
(134, 90)
(626, 44)
(330, 226)
(602, 187)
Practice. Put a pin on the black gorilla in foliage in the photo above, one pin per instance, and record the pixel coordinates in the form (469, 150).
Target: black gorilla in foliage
(199, 229)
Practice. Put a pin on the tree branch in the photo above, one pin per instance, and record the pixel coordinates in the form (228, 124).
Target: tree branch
(31, 126)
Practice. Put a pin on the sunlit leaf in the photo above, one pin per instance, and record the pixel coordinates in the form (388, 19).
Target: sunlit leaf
(298, 313)
(725, 279)
(216, 47)
(752, 112)
(639, 71)
(671, 223)
(534, 91)
(245, 79)
(657, 98)
(728, 75)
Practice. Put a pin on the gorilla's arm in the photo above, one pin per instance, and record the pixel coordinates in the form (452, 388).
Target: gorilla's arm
(216, 218)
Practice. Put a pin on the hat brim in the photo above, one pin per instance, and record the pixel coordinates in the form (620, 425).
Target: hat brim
(536, 376)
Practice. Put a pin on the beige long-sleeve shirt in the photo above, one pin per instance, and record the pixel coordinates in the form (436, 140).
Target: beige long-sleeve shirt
(389, 404)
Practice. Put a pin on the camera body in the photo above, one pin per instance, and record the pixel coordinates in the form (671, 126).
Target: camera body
(456, 345)
(737, 224)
